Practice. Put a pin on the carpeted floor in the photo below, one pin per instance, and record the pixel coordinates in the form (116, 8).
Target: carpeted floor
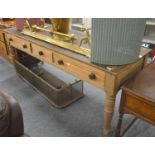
(83, 118)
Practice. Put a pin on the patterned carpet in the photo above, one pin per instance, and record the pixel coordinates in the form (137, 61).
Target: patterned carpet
(83, 118)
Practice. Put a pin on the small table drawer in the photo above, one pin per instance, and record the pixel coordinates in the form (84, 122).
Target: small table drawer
(19, 43)
(80, 70)
(42, 53)
(1, 37)
(142, 107)
(3, 50)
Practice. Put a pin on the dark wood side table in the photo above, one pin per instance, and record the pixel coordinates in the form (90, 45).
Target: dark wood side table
(138, 98)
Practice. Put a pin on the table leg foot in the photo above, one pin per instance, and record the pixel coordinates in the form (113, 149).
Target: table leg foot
(108, 113)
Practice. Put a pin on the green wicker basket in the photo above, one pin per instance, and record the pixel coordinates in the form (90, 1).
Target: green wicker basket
(116, 41)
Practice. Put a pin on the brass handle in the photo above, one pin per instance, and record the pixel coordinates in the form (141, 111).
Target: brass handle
(92, 76)
(41, 53)
(60, 62)
(10, 39)
(24, 46)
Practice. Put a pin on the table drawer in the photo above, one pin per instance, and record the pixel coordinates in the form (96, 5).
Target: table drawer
(1, 37)
(3, 50)
(19, 43)
(140, 107)
(42, 53)
(80, 70)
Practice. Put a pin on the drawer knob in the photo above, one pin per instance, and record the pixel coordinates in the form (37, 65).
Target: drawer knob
(58, 87)
(41, 53)
(60, 62)
(24, 46)
(92, 76)
(10, 39)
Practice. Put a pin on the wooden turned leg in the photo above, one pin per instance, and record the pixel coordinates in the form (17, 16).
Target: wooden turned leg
(119, 125)
(108, 113)
(13, 55)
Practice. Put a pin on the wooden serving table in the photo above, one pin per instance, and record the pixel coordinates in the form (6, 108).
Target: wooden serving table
(107, 78)
(3, 47)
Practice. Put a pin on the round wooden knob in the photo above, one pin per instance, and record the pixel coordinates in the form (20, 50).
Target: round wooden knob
(58, 87)
(60, 62)
(41, 53)
(24, 46)
(92, 76)
(10, 39)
